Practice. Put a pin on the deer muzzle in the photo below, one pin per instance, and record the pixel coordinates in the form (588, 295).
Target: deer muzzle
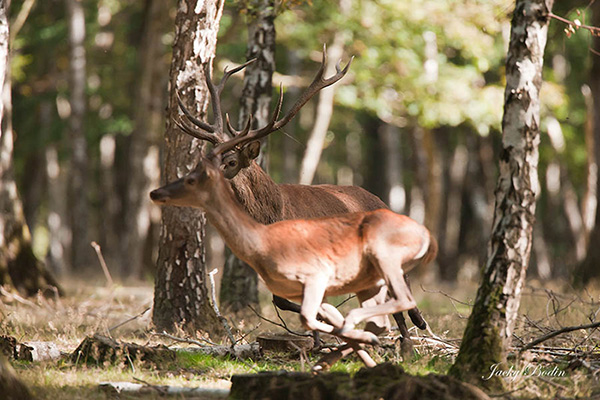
(159, 196)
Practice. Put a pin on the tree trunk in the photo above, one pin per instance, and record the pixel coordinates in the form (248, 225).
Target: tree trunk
(111, 205)
(143, 141)
(590, 195)
(10, 386)
(180, 296)
(316, 140)
(418, 190)
(290, 146)
(19, 268)
(239, 286)
(452, 212)
(389, 139)
(489, 329)
(81, 251)
(588, 269)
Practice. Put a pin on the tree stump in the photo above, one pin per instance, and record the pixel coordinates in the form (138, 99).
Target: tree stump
(101, 350)
(8, 346)
(284, 343)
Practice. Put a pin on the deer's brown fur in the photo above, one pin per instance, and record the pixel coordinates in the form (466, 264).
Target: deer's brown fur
(268, 202)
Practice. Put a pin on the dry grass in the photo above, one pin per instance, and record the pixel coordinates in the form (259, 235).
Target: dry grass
(87, 309)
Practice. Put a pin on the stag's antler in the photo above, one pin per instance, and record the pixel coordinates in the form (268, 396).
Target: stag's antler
(215, 134)
(246, 135)
(210, 132)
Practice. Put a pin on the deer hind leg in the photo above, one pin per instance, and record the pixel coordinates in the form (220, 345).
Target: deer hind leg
(415, 313)
(402, 297)
(372, 297)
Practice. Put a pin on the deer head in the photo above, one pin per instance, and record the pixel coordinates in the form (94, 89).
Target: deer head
(238, 148)
(193, 189)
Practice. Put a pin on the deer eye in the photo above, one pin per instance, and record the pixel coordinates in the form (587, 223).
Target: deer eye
(232, 164)
(190, 181)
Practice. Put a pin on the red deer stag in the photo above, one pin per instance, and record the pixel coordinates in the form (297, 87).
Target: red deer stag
(307, 259)
(268, 202)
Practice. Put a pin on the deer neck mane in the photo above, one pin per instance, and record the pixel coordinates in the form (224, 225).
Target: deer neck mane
(260, 196)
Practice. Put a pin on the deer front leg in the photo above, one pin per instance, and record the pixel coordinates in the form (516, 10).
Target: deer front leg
(334, 317)
(312, 297)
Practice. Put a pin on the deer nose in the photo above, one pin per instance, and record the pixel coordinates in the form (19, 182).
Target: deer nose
(158, 196)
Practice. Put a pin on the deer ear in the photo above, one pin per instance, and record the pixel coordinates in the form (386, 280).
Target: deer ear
(252, 150)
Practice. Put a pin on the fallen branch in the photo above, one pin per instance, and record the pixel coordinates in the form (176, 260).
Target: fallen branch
(558, 332)
(145, 388)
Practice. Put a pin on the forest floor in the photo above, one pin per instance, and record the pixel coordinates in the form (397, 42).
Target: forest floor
(566, 366)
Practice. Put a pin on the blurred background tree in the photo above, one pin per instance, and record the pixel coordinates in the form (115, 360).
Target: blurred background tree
(417, 121)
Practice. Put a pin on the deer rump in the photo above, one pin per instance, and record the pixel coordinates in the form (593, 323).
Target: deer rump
(346, 251)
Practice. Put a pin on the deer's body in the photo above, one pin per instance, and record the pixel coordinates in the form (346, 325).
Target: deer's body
(339, 250)
(305, 260)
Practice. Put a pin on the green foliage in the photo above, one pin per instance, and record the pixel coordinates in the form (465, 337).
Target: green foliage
(416, 62)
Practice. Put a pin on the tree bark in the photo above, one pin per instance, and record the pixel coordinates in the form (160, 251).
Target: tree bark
(489, 329)
(239, 286)
(588, 269)
(142, 155)
(180, 295)
(11, 386)
(19, 268)
(81, 251)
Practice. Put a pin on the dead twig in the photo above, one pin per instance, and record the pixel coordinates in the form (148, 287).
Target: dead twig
(158, 389)
(120, 324)
(17, 298)
(96, 247)
(446, 295)
(183, 340)
(213, 295)
(558, 332)
(282, 325)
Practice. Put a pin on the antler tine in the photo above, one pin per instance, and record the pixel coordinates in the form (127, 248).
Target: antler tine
(198, 135)
(241, 137)
(227, 74)
(317, 84)
(200, 124)
(234, 132)
(246, 135)
(216, 100)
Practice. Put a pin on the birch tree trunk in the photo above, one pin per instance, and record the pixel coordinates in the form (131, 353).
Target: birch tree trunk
(316, 140)
(588, 269)
(489, 330)
(180, 295)
(19, 268)
(239, 286)
(81, 250)
(143, 142)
